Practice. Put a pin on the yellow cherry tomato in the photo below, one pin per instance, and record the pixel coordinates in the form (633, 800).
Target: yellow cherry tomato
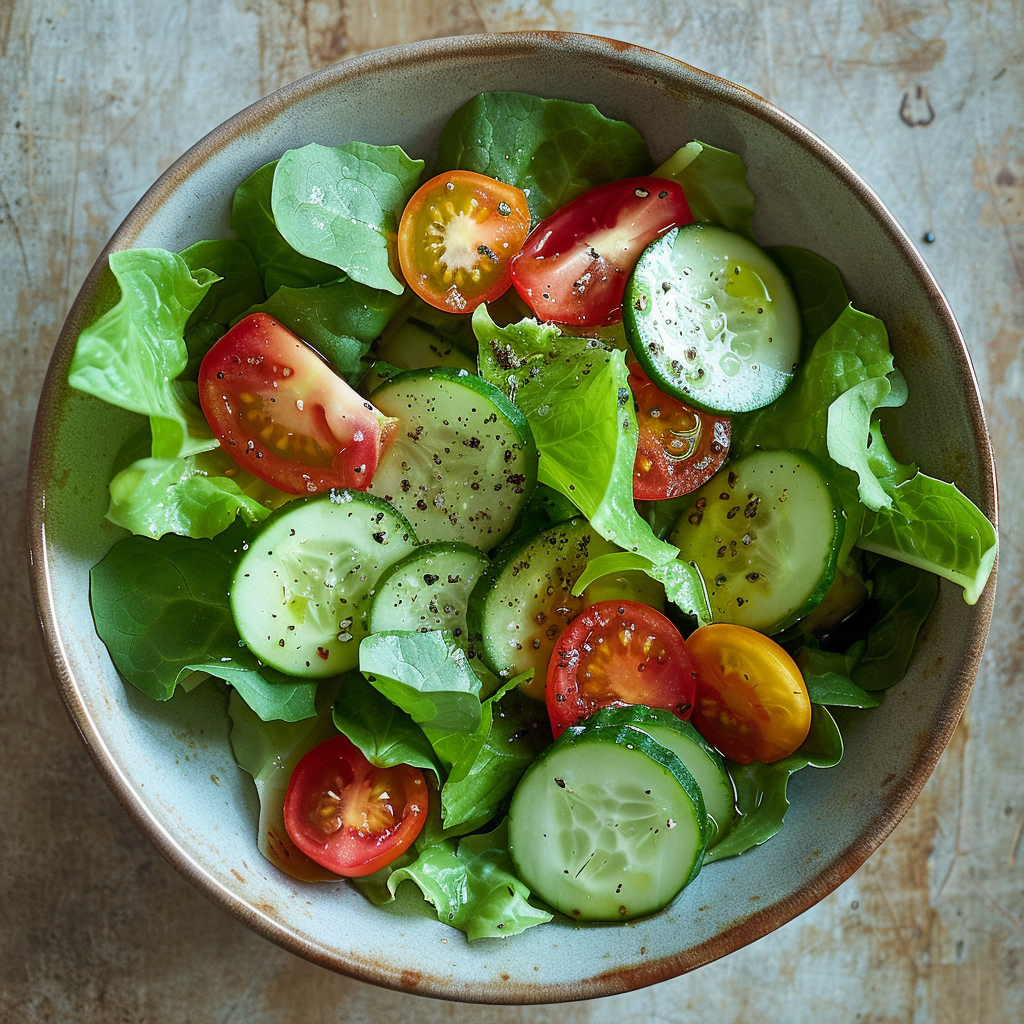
(751, 700)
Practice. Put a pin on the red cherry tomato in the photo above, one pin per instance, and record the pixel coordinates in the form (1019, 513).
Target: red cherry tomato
(618, 653)
(574, 265)
(751, 701)
(457, 237)
(679, 447)
(349, 816)
(284, 415)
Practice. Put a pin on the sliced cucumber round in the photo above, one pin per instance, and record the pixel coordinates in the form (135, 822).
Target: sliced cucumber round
(712, 319)
(524, 601)
(703, 762)
(607, 825)
(765, 532)
(301, 592)
(463, 462)
(418, 345)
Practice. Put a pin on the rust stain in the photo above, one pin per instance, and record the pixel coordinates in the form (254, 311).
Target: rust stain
(237, 875)
(411, 979)
(999, 173)
(894, 39)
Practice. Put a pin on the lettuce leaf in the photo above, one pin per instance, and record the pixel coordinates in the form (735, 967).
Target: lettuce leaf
(161, 608)
(554, 150)
(715, 183)
(132, 356)
(341, 205)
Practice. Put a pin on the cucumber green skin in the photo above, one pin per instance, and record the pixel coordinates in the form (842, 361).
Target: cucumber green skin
(681, 329)
(361, 535)
(700, 535)
(703, 761)
(584, 779)
(448, 507)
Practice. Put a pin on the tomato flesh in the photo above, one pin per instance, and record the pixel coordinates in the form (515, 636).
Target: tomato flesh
(618, 653)
(284, 415)
(679, 447)
(348, 815)
(457, 237)
(573, 267)
(751, 701)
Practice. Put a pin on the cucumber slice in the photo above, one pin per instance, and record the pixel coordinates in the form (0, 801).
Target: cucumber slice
(417, 345)
(712, 319)
(765, 532)
(702, 761)
(429, 589)
(607, 825)
(463, 462)
(524, 601)
(301, 592)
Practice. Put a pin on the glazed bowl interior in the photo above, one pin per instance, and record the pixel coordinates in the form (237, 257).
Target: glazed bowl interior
(171, 764)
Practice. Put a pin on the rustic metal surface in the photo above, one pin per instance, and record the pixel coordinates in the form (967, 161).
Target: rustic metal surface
(925, 99)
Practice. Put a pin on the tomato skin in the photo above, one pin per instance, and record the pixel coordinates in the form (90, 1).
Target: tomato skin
(751, 700)
(282, 413)
(349, 816)
(573, 267)
(457, 237)
(618, 653)
(680, 448)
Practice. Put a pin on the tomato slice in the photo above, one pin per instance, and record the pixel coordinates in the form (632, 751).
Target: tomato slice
(574, 265)
(283, 414)
(349, 816)
(457, 237)
(679, 447)
(751, 699)
(618, 653)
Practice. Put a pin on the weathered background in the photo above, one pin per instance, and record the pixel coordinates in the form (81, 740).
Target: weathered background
(924, 98)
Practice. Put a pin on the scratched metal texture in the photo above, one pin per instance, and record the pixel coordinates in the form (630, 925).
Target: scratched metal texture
(925, 99)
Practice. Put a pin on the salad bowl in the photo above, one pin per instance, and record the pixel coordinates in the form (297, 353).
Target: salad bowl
(171, 765)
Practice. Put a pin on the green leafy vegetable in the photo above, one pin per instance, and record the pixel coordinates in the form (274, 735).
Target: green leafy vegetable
(269, 752)
(554, 150)
(132, 355)
(818, 288)
(761, 797)
(827, 675)
(161, 608)
(252, 220)
(341, 205)
(715, 183)
(340, 320)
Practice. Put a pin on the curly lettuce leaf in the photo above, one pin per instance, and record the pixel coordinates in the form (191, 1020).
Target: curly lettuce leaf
(715, 183)
(132, 356)
(554, 150)
(341, 205)
(161, 608)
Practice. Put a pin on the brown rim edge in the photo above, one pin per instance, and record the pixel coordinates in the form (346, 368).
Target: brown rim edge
(744, 931)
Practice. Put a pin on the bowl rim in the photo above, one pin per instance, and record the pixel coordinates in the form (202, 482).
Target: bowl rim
(649, 63)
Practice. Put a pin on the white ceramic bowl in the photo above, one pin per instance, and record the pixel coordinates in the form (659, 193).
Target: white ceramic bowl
(171, 764)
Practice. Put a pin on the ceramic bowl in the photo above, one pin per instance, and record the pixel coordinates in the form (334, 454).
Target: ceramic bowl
(171, 765)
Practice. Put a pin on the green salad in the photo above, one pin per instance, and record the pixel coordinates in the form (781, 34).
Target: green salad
(530, 514)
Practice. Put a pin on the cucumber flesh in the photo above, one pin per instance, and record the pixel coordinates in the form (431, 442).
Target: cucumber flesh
(607, 825)
(301, 593)
(463, 462)
(416, 345)
(712, 320)
(765, 533)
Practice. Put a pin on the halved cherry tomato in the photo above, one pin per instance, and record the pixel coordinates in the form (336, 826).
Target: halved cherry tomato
(679, 447)
(618, 653)
(284, 415)
(751, 700)
(574, 265)
(457, 237)
(349, 816)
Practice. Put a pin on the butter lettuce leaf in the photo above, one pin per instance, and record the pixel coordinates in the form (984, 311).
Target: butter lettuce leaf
(341, 205)
(554, 150)
(133, 354)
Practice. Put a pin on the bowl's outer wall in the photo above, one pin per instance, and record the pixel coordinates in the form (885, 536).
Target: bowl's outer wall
(171, 764)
